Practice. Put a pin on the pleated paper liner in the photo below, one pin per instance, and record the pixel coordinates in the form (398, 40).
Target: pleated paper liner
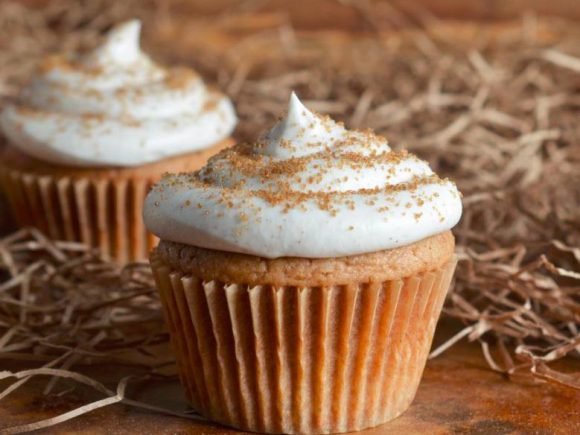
(100, 207)
(301, 360)
(103, 213)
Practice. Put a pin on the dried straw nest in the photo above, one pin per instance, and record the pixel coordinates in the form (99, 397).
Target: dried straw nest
(494, 107)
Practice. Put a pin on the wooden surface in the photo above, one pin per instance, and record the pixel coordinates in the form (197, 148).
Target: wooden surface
(458, 395)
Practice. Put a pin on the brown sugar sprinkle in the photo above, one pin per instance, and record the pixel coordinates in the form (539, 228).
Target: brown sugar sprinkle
(180, 78)
(29, 111)
(282, 194)
(93, 117)
(210, 104)
(63, 63)
(280, 175)
(240, 159)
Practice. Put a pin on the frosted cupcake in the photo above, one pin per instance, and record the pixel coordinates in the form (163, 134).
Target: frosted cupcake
(302, 276)
(90, 134)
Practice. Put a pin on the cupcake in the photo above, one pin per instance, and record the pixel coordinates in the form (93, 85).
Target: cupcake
(302, 276)
(89, 135)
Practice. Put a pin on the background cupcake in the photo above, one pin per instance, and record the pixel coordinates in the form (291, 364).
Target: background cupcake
(302, 276)
(90, 134)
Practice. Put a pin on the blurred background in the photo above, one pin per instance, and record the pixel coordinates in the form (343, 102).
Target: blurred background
(487, 90)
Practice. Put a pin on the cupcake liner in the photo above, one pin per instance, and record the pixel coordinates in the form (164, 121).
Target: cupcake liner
(103, 213)
(324, 359)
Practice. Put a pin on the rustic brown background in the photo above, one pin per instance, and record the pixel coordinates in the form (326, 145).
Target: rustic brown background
(459, 393)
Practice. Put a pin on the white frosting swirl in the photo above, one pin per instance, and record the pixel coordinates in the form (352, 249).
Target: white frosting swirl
(309, 189)
(115, 107)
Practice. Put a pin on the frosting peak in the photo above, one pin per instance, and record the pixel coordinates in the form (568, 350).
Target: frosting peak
(120, 46)
(310, 188)
(115, 107)
(302, 133)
